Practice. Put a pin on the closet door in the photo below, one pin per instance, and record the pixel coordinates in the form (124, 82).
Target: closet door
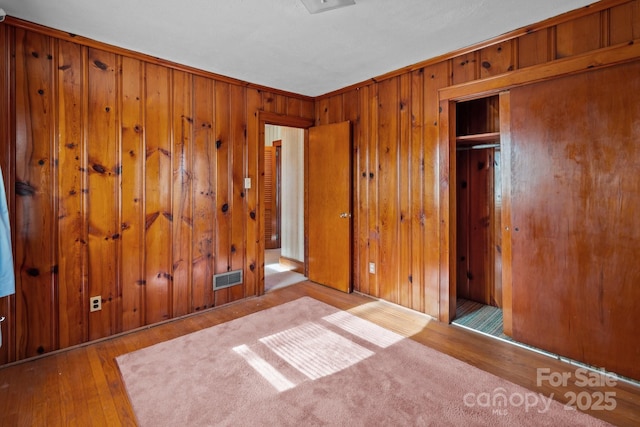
(575, 198)
(272, 196)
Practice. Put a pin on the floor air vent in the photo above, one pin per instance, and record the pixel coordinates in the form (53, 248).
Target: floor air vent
(224, 280)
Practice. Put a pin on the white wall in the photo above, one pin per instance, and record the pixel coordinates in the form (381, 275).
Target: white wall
(292, 203)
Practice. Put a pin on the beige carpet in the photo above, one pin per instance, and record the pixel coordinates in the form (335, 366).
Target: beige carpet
(307, 363)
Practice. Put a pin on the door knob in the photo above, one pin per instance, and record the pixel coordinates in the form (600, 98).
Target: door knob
(345, 215)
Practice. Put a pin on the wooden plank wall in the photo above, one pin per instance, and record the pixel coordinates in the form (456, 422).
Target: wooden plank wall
(395, 119)
(476, 223)
(128, 177)
(125, 174)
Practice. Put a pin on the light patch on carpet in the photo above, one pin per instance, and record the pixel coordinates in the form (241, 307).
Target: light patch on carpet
(264, 368)
(315, 350)
(364, 329)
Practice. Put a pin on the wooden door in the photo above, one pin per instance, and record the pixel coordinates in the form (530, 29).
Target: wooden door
(575, 158)
(329, 205)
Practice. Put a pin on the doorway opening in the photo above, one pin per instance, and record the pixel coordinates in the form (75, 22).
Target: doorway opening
(283, 201)
(478, 216)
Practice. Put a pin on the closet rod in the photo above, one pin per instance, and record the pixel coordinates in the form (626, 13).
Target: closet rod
(477, 147)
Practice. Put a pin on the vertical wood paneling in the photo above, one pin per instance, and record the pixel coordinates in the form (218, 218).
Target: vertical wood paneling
(351, 111)
(35, 190)
(480, 219)
(273, 103)
(204, 181)
(497, 59)
(322, 111)
(374, 231)
(362, 193)
(436, 76)
(158, 180)
(134, 191)
(417, 163)
(579, 36)
(447, 206)
(388, 190)
(298, 107)
(405, 189)
(280, 103)
(102, 205)
(533, 49)
(7, 163)
(464, 68)
(132, 250)
(182, 193)
(294, 107)
(253, 263)
(505, 212)
(335, 109)
(624, 24)
(307, 109)
(463, 198)
(72, 291)
(237, 163)
(223, 185)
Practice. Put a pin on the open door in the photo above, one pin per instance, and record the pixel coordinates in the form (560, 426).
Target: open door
(329, 205)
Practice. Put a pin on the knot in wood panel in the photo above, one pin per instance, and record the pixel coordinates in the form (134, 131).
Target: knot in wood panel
(101, 65)
(24, 189)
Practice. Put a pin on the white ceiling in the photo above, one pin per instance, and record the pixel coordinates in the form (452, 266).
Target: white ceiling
(277, 43)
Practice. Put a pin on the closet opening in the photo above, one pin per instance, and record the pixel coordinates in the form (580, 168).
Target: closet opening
(478, 216)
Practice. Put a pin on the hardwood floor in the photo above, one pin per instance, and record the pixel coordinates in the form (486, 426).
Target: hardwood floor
(82, 386)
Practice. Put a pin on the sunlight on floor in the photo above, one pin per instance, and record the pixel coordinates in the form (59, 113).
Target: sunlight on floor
(316, 349)
(277, 267)
(264, 368)
(278, 275)
(385, 313)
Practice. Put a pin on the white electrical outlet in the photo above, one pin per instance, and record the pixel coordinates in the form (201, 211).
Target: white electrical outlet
(372, 267)
(95, 304)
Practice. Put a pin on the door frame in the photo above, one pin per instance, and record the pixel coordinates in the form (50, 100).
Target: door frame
(268, 118)
(448, 201)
